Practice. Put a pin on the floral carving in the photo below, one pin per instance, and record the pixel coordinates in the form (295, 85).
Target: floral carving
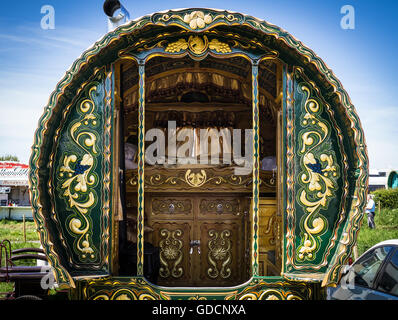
(197, 45)
(195, 179)
(170, 253)
(320, 172)
(78, 180)
(77, 176)
(219, 253)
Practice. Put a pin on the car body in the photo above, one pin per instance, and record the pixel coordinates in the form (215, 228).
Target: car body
(373, 276)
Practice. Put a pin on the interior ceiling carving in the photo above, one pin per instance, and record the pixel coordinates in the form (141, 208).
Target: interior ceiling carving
(212, 80)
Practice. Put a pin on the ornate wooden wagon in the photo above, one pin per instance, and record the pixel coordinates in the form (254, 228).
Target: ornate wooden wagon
(117, 224)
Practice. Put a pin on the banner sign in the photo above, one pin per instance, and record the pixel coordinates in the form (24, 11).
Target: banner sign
(13, 174)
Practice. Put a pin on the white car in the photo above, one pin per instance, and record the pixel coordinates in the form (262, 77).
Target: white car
(373, 276)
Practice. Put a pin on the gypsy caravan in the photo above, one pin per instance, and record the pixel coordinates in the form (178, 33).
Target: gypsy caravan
(198, 154)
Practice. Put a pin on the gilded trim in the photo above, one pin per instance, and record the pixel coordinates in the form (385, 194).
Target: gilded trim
(256, 169)
(140, 289)
(141, 166)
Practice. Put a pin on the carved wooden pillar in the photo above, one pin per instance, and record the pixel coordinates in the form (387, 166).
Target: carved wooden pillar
(256, 146)
(141, 160)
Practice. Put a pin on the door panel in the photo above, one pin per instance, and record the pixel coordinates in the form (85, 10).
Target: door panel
(200, 238)
(214, 207)
(169, 207)
(220, 253)
(172, 239)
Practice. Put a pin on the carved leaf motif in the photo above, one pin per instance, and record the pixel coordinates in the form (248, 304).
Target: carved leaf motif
(171, 206)
(177, 46)
(318, 177)
(197, 45)
(170, 253)
(219, 255)
(76, 175)
(219, 46)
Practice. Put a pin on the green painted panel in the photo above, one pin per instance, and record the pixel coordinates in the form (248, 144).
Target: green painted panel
(80, 178)
(317, 188)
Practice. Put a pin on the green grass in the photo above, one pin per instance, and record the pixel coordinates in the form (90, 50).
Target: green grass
(386, 228)
(13, 231)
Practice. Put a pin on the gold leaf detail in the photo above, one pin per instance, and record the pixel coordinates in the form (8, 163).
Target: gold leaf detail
(219, 46)
(317, 176)
(177, 46)
(170, 253)
(219, 254)
(195, 179)
(78, 179)
(197, 45)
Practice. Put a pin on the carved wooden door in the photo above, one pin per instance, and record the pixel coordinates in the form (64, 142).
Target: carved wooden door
(200, 239)
(220, 226)
(173, 240)
(171, 218)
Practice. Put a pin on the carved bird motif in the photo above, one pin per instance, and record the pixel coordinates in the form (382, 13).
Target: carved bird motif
(80, 169)
(315, 167)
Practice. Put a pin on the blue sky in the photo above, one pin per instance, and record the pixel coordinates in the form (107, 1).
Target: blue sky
(33, 60)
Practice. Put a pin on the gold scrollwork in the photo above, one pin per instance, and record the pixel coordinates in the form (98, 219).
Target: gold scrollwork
(198, 19)
(219, 252)
(161, 206)
(318, 176)
(198, 45)
(193, 179)
(198, 179)
(219, 206)
(145, 293)
(270, 294)
(79, 177)
(170, 251)
(197, 297)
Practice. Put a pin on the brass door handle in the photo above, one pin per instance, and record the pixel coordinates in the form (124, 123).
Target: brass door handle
(194, 243)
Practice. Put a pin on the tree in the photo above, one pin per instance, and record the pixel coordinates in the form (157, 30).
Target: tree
(9, 157)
